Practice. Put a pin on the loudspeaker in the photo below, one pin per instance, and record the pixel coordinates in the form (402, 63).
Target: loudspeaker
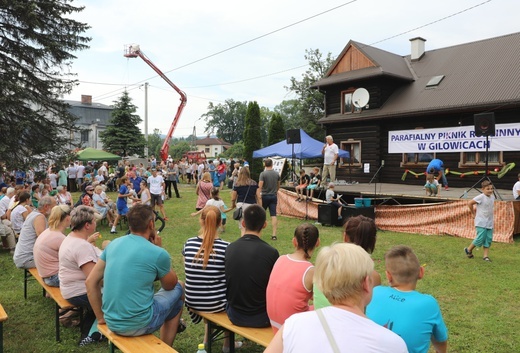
(327, 214)
(484, 124)
(293, 136)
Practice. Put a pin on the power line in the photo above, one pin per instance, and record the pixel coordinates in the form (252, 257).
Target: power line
(301, 66)
(251, 40)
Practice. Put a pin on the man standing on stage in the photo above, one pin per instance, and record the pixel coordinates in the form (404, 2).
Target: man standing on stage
(330, 155)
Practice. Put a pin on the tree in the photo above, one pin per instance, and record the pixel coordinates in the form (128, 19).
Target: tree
(155, 142)
(37, 40)
(235, 151)
(226, 120)
(123, 137)
(179, 149)
(276, 129)
(289, 110)
(311, 101)
(277, 134)
(252, 139)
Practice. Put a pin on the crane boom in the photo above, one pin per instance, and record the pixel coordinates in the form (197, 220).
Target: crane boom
(134, 51)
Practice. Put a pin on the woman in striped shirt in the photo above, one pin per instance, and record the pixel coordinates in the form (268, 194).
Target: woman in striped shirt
(205, 269)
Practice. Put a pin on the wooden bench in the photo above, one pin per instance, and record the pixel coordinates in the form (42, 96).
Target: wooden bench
(54, 293)
(136, 344)
(219, 322)
(3, 317)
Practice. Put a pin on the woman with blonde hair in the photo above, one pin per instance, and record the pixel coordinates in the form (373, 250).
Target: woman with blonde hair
(244, 192)
(203, 190)
(205, 269)
(48, 244)
(343, 274)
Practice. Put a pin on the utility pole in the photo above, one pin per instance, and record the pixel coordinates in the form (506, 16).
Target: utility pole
(146, 119)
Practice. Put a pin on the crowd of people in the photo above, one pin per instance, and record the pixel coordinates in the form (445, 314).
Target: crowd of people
(338, 302)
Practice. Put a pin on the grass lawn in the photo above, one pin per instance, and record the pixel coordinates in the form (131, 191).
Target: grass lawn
(478, 299)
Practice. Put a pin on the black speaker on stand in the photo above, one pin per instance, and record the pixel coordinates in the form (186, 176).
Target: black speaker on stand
(484, 126)
(293, 136)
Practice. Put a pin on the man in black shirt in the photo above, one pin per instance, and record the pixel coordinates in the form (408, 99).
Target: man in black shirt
(249, 261)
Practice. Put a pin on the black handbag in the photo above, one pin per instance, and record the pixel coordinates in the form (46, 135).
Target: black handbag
(237, 214)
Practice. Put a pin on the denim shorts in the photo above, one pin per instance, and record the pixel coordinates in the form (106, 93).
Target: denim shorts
(166, 305)
(270, 201)
(53, 281)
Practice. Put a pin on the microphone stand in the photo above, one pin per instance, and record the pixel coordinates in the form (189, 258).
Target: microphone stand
(374, 177)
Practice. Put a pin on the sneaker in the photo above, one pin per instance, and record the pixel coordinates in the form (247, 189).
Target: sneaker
(446, 188)
(86, 341)
(469, 254)
(486, 259)
(182, 326)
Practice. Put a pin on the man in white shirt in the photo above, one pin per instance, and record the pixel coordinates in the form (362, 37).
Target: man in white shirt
(156, 185)
(80, 174)
(200, 169)
(103, 170)
(330, 155)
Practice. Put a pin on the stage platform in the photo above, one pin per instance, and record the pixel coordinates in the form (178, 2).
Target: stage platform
(406, 208)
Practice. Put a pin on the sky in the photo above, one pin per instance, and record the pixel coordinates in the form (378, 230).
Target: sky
(248, 51)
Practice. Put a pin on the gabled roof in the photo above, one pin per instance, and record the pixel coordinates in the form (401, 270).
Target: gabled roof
(91, 106)
(358, 60)
(212, 141)
(478, 75)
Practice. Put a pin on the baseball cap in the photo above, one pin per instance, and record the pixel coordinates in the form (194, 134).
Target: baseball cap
(89, 188)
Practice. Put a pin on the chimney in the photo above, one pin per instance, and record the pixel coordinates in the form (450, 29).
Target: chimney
(85, 99)
(417, 48)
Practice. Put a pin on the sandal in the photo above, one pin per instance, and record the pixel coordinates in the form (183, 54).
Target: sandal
(486, 259)
(469, 254)
(274, 237)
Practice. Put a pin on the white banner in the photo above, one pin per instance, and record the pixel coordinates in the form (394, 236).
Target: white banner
(453, 139)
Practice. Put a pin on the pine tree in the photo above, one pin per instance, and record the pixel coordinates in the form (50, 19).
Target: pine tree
(123, 137)
(252, 138)
(276, 129)
(36, 42)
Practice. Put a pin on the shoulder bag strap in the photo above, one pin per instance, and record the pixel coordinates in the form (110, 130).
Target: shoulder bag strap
(326, 328)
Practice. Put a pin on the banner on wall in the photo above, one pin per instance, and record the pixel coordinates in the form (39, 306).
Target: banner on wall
(453, 139)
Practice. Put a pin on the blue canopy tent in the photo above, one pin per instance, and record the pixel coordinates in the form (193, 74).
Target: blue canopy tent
(308, 148)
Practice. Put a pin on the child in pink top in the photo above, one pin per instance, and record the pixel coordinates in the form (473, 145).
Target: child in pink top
(290, 284)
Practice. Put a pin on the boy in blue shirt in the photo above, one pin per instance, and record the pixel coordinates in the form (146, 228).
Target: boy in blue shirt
(414, 316)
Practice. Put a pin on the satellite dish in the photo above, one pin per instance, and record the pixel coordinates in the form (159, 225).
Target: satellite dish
(360, 98)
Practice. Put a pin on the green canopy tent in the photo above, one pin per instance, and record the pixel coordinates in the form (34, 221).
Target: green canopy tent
(92, 154)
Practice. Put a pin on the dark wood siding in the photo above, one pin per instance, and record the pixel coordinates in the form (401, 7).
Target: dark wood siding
(374, 139)
(379, 92)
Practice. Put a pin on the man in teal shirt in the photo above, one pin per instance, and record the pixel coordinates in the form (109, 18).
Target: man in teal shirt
(128, 268)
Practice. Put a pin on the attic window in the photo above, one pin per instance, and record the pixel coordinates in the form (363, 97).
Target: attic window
(434, 81)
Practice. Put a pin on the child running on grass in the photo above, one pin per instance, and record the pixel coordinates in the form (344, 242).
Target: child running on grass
(219, 203)
(483, 213)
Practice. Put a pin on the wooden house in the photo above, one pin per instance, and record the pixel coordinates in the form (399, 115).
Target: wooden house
(429, 96)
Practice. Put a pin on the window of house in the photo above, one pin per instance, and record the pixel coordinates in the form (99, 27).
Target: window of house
(474, 159)
(206, 150)
(84, 136)
(354, 148)
(411, 159)
(347, 106)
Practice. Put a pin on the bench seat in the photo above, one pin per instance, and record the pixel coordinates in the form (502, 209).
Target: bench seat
(138, 344)
(220, 321)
